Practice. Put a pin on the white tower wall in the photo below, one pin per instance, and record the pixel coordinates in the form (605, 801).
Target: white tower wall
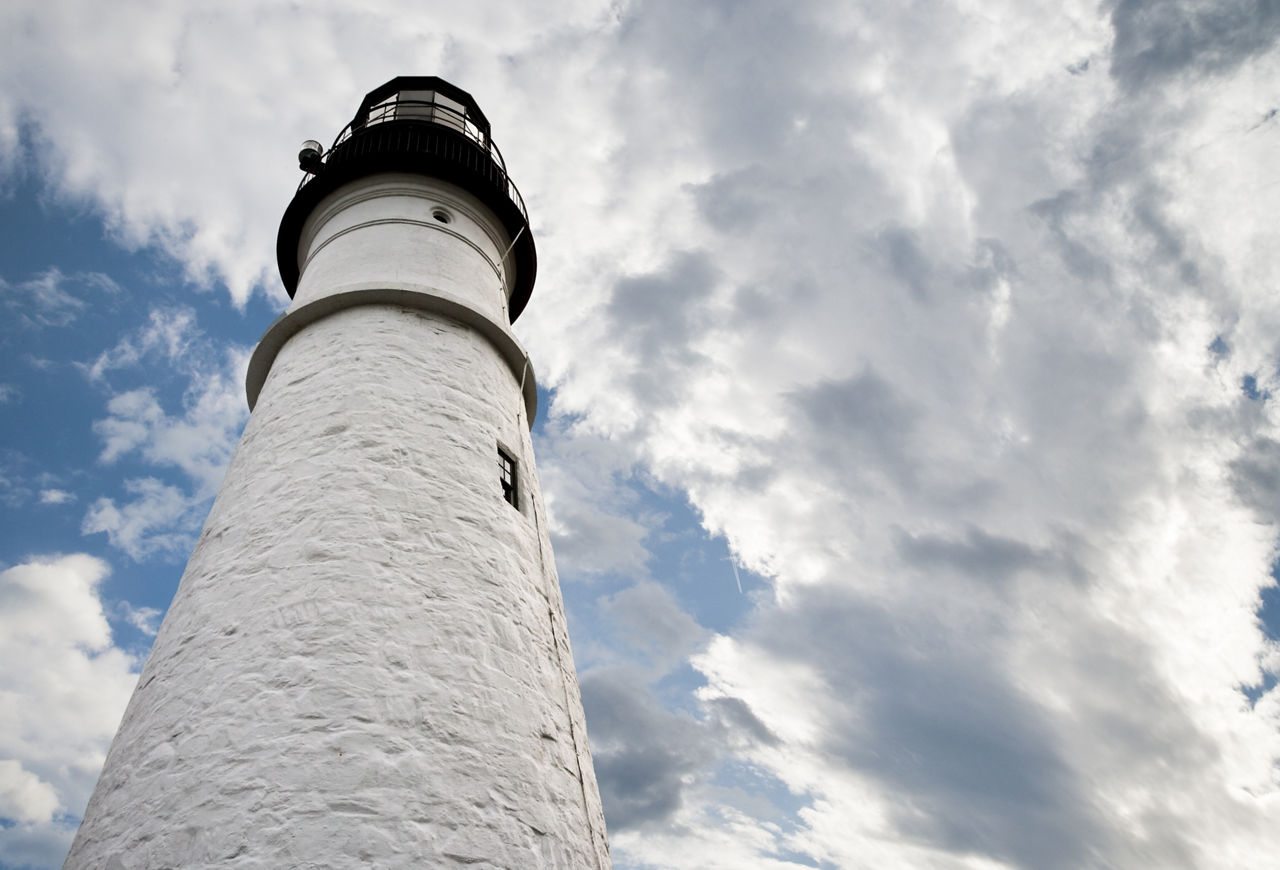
(384, 231)
(366, 663)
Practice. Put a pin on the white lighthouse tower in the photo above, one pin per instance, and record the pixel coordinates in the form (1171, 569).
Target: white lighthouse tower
(366, 662)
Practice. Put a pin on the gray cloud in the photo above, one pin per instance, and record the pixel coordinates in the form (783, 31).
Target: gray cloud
(594, 543)
(1156, 39)
(735, 717)
(657, 316)
(594, 529)
(972, 763)
(1255, 476)
(1077, 255)
(642, 753)
(901, 249)
(652, 621)
(985, 557)
(858, 429)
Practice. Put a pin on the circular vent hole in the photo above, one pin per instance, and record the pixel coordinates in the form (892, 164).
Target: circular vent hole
(441, 215)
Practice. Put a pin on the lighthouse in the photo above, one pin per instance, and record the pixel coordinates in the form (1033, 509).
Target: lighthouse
(366, 662)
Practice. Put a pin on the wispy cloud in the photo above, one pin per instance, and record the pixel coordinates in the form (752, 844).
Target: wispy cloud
(144, 619)
(197, 440)
(168, 334)
(47, 300)
(156, 518)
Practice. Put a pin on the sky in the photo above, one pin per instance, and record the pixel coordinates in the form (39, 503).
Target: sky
(906, 370)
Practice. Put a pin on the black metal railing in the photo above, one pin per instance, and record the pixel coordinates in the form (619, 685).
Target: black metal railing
(418, 128)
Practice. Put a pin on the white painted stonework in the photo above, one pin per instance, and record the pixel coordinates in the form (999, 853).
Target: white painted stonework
(366, 663)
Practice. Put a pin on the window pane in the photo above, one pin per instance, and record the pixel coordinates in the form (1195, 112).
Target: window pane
(507, 476)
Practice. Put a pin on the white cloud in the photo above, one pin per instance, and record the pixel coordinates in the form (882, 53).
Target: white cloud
(144, 619)
(23, 796)
(938, 361)
(55, 496)
(169, 334)
(120, 130)
(133, 414)
(198, 441)
(60, 707)
(9, 393)
(157, 519)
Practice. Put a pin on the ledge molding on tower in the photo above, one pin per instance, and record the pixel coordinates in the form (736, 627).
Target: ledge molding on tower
(402, 295)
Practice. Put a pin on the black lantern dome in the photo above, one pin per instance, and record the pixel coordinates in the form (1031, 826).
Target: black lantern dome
(423, 125)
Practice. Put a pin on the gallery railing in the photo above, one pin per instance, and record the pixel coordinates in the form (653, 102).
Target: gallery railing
(425, 127)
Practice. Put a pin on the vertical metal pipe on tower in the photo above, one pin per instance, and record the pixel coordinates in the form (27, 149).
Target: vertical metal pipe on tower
(366, 663)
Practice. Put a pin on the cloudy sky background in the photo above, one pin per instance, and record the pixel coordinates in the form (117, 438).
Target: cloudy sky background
(907, 419)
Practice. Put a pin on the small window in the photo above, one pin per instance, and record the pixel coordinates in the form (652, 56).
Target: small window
(507, 474)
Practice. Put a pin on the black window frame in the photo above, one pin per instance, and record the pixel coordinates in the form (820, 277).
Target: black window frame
(509, 477)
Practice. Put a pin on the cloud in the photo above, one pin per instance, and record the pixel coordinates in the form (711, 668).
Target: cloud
(1156, 40)
(16, 474)
(62, 706)
(24, 797)
(965, 762)
(648, 759)
(651, 621)
(116, 141)
(963, 411)
(144, 619)
(642, 753)
(962, 744)
(159, 517)
(657, 315)
(592, 503)
(986, 557)
(200, 440)
(55, 496)
(133, 414)
(1255, 475)
(45, 300)
(169, 333)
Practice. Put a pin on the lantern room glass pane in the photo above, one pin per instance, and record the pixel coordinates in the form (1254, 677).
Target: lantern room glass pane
(416, 105)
